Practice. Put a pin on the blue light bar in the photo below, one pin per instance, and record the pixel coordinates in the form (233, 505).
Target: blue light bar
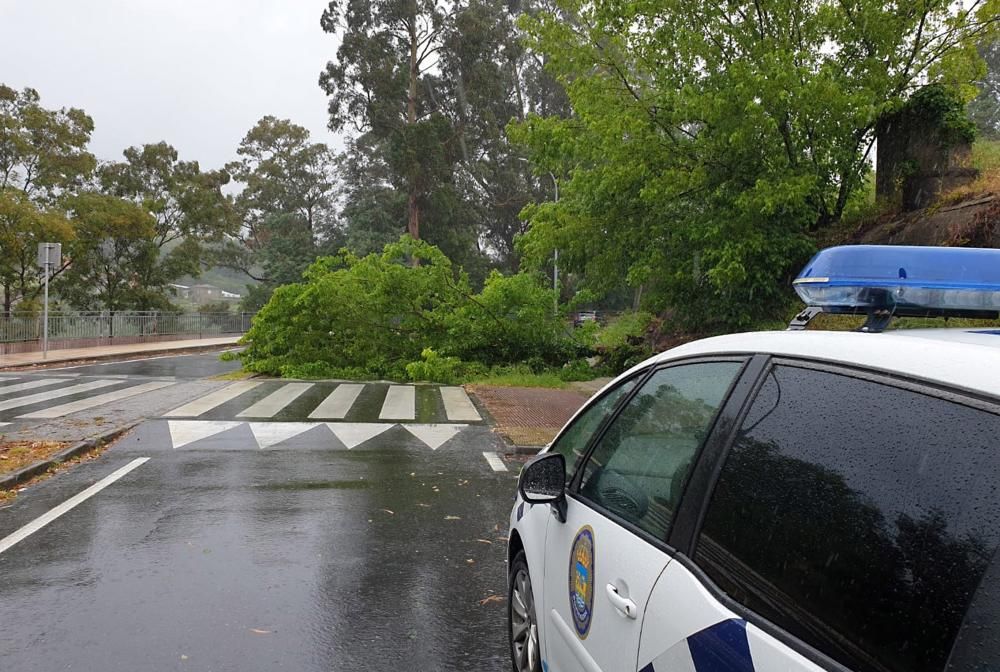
(906, 280)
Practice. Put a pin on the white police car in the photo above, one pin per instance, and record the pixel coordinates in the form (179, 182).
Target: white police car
(775, 502)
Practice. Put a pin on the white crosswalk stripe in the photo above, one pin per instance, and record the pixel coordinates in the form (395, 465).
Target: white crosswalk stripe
(91, 402)
(338, 403)
(40, 397)
(400, 403)
(283, 401)
(457, 405)
(31, 384)
(210, 401)
(270, 405)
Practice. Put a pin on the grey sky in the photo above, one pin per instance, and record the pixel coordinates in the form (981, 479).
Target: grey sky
(197, 74)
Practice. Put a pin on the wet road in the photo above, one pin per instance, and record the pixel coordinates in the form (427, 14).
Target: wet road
(200, 365)
(263, 545)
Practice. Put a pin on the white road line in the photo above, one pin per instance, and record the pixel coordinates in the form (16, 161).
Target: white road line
(54, 394)
(32, 384)
(217, 398)
(68, 505)
(91, 402)
(495, 462)
(457, 405)
(337, 405)
(400, 403)
(274, 402)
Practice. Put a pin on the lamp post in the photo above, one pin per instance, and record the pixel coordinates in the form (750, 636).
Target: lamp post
(555, 259)
(49, 254)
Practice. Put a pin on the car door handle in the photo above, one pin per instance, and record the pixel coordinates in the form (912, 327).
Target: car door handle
(622, 604)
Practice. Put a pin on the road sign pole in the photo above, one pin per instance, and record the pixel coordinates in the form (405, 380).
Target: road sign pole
(48, 255)
(45, 317)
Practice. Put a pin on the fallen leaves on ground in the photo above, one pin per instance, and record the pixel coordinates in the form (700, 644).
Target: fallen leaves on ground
(485, 541)
(15, 455)
(489, 599)
(258, 631)
(391, 513)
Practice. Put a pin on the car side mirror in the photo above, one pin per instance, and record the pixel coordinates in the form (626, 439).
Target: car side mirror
(543, 481)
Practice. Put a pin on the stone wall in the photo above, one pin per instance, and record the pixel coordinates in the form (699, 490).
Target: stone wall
(920, 154)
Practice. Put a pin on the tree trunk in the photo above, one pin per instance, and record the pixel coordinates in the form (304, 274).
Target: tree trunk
(413, 223)
(412, 207)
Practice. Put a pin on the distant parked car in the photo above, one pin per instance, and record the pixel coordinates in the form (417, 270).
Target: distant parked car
(582, 317)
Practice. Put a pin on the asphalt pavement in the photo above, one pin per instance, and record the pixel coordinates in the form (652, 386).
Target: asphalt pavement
(358, 543)
(196, 366)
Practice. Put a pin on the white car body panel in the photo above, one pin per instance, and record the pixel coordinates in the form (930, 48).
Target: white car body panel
(674, 605)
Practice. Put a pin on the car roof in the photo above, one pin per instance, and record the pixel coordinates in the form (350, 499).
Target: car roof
(961, 358)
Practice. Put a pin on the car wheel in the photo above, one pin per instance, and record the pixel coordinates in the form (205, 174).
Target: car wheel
(522, 624)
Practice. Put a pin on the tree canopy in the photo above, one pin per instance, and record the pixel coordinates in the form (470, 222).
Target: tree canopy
(702, 177)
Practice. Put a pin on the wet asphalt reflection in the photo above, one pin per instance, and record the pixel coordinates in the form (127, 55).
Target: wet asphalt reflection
(200, 365)
(299, 557)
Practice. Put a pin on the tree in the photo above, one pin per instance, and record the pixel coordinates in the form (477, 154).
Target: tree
(114, 249)
(704, 177)
(24, 224)
(42, 152)
(383, 83)
(188, 208)
(43, 156)
(287, 208)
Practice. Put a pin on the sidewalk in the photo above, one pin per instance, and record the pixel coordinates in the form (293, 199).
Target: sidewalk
(529, 416)
(28, 359)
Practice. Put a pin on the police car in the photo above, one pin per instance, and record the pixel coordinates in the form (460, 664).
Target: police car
(784, 501)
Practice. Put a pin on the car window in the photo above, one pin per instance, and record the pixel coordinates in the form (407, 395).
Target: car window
(858, 516)
(573, 441)
(638, 469)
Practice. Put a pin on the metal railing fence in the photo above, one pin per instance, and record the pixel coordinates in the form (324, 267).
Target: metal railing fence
(23, 332)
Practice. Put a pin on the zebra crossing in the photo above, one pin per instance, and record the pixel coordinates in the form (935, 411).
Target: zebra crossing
(254, 401)
(50, 398)
(359, 402)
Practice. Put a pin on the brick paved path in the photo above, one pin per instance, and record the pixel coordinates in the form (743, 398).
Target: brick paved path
(529, 416)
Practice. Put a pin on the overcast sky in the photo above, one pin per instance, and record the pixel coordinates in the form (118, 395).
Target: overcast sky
(196, 73)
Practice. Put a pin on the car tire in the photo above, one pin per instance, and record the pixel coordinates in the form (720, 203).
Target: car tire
(522, 622)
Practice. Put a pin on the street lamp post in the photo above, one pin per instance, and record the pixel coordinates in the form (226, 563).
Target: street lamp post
(555, 260)
(49, 254)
